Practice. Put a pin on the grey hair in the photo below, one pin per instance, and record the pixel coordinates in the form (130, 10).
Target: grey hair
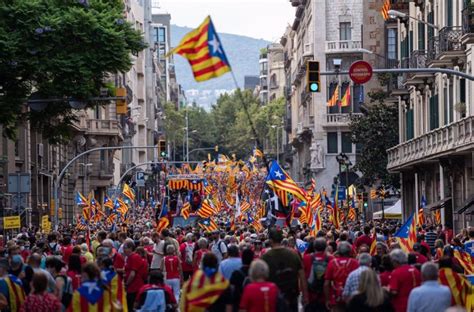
(108, 242)
(202, 242)
(170, 249)
(429, 271)
(365, 259)
(189, 236)
(344, 249)
(258, 270)
(399, 256)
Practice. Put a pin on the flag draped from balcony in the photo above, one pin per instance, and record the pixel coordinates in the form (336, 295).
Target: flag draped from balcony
(334, 98)
(385, 9)
(204, 52)
(346, 99)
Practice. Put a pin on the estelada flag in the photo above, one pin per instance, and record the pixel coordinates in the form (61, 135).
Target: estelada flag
(202, 291)
(89, 297)
(114, 289)
(204, 52)
(128, 192)
(15, 292)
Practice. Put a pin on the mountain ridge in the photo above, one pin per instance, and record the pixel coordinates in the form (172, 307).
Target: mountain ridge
(242, 53)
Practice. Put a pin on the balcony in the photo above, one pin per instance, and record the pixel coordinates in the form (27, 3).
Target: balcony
(102, 127)
(468, 24)
(417, 59)
(447, 140)
(338, 120)
(308, 49)
(446, 47)
(343, 46)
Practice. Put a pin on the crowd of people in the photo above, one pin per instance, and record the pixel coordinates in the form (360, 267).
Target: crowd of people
(278, 269)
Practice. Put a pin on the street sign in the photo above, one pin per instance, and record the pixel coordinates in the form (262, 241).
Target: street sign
(12, 222)
(360, 72)
(19, 183)
(140, 178)
(44, 221)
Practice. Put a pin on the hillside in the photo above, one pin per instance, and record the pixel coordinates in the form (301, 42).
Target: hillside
(242, 52)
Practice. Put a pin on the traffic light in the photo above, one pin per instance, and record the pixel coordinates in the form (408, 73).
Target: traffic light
(162, 148)
(313, 83)
(365, 197)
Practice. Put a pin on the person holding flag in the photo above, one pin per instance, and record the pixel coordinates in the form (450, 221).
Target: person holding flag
(90, 295)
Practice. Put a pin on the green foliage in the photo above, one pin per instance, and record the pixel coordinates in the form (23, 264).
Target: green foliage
(375, 132)
(226, 125)
(60, 49)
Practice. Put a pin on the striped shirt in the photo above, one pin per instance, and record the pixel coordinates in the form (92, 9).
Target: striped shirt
(430, 238)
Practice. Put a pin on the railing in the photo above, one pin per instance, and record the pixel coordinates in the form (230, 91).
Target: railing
(418, 59)
(341, 46)
(339, 119)
(102, 126)
(449, 39)
(441, 140)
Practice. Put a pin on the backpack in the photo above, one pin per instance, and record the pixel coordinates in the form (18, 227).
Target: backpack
(188, 254)
(285, 279)
(316, 276)
(67, 291)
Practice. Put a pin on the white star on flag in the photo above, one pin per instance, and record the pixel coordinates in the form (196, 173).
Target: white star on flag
(216, 47)
(278, 174)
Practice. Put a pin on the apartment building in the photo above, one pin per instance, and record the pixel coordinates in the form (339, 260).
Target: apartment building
(33, 156)
(435, 156)
(329, 32)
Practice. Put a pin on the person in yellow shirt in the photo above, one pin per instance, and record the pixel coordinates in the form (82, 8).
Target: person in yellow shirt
(86, 253)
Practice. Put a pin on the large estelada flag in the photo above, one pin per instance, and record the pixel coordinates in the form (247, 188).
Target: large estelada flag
(204, 52)
(279, 179)
(406, 235)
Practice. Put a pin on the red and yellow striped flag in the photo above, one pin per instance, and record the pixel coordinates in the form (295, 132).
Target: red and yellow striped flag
(346, 99)
(385, 9)
(206, 210)
(128, 192)
(201, 291)
(185, 211)
(334, 98)
(204, 52)
(462, 291)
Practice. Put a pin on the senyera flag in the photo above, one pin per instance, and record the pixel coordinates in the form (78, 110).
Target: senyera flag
(204, 52)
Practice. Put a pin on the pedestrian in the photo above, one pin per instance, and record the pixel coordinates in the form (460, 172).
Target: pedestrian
(260, 295)
(155, 296)
(335, 277)
(402, 280)
(187, 254)
(202, 245)
(386, 268)
(74, 270)
(64, 288)
(240, 278)
(430, 296)
(286, 270)
(40, 300)
(90, 295)
(12, 295)
(315, 265)
(133, 267)
(219, 248)
(370, 296)
(171, 268)
(207, 289)
(353, 279)
(232, 263)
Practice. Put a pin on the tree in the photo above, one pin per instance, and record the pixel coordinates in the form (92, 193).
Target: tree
(60, 49)
(375, 132)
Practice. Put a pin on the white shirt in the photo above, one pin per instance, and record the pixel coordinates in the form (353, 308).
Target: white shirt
(157, 259)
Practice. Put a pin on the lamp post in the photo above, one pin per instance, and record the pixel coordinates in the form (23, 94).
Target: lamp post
(394, 13)
(277, 141)
(344, 164)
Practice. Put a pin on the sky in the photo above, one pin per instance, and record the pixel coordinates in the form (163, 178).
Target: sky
(260, 19)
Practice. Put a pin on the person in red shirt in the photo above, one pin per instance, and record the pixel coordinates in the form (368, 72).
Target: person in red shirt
(74, 270)
(186, 251)
(420, 258)
(171, 267)
(259, 295)
(386, 268)
(66, 249)
(117, 258)
(336, 274)
(199, 254)
(133, 278)
(402, 280)
(316, 283)
(364, 239)
(156, 282)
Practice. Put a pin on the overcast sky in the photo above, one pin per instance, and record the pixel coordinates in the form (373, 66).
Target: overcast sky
(261, 19)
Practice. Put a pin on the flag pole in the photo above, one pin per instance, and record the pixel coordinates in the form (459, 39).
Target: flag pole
(242, 102)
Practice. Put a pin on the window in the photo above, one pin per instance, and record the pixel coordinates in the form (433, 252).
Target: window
(392, 43)
(357, 98)
(161, 34)
(449, 13)
(409, 123)
(332, 142)
(421, 36)
(434, 114)
(346, 142)
(345, 31)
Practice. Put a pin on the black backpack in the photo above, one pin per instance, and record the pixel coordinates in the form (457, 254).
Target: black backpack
(67, 291)
(316, 276)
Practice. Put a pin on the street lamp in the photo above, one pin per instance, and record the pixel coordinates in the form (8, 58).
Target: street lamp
(394, 13)
(344, 164)
(277, 127)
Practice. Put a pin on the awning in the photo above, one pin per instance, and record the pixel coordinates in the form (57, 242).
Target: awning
(466, 205)
(393, 212)
(445, 202)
